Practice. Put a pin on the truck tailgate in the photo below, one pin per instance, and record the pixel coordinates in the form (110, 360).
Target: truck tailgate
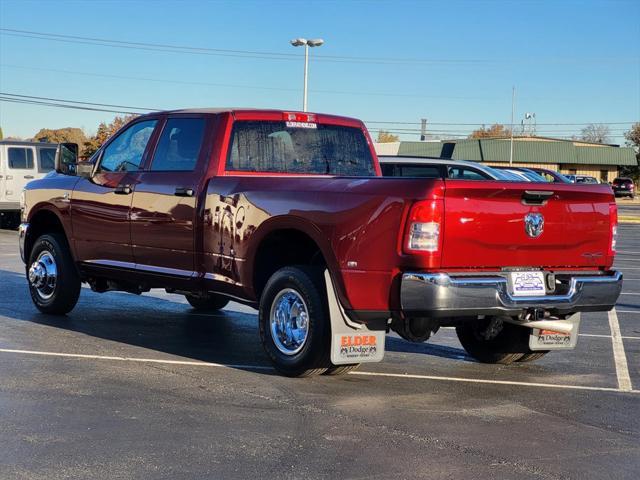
(484, 225)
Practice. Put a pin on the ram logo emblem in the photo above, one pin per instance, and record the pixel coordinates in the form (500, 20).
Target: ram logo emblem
(534, 224)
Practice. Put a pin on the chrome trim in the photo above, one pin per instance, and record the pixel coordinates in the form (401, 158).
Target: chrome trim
(443, 295)
(112, 263)
(289, 321)
(43, 275)
(534, 224)
(141, 267)
(22, 237)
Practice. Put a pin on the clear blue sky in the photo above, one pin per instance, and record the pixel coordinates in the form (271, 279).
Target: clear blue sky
(571, 61)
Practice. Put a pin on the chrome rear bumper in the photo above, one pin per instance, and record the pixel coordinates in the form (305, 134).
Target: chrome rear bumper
(444, 295)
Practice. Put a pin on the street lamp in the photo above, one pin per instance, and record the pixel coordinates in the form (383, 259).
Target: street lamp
(299, 42)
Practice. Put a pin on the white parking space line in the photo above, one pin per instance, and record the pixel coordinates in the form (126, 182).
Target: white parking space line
(133, 359)
(627, 311)
(619, 357)
(496, 382)
(624, 337)
(629, 293)
(362, 373)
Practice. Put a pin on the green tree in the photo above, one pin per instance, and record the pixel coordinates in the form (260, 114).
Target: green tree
(494, 131)
(1, 134)
(386, 137)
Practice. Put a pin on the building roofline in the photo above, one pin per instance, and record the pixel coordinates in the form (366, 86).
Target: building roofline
(528, 137)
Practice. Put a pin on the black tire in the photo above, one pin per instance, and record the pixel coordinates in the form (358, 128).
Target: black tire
(508, 346)
(210, 303)
(531, 357)
(64, 294)
(341, 369)
(313, 357)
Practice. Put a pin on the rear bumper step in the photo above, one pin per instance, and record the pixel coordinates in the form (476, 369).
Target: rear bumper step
(444, 295)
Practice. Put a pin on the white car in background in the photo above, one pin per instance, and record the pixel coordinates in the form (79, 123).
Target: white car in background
(581, 179)
(21, 162)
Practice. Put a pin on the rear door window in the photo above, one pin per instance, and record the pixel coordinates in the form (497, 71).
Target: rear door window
(272, 146)
(124, 153)
(20, 158)
(179, 145)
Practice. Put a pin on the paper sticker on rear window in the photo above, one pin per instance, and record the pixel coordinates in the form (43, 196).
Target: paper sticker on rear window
(302, 125)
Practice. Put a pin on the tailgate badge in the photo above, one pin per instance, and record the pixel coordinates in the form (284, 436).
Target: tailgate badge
(533, 224)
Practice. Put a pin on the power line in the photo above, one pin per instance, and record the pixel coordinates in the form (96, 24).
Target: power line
(253, 87)
(501, 123)
(276, 55)
(100, 107)
(58, 105)
(78, 102)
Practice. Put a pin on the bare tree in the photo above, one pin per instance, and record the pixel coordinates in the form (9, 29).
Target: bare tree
(596, 133)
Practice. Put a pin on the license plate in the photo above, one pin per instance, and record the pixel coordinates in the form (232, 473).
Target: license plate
(527, 284)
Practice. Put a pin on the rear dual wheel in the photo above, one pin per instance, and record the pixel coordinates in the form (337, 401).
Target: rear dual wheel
(489, 342)
(294, 325)
(295, 328)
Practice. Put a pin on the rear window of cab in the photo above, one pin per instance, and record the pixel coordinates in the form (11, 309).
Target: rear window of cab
(313, 148)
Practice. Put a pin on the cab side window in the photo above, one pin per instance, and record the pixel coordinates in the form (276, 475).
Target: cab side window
(465, 173)
(20, 158)
(124, 153)
(179, 145)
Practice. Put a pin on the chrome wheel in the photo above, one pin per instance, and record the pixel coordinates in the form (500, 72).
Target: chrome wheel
(289, 321)
(43, 275)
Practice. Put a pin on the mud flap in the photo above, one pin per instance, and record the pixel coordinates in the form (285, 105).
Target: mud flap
(548, 337)
(351, 342)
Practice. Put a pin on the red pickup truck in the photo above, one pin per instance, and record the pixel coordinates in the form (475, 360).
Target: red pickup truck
(288, 212)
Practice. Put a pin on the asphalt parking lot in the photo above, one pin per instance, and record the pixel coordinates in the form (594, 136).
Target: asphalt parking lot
(143, 387)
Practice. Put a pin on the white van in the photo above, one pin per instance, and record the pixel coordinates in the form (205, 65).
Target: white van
(20, 162)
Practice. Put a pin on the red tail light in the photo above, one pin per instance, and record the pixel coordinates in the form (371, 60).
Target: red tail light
(298, 117)
(423, 233)
(613, 225)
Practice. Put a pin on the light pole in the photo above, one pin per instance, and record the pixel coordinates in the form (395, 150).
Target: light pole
(513, 110)
(299, 42)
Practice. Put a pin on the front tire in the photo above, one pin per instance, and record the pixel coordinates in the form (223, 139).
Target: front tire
(54, 282)
(293, 320)
(510, 344)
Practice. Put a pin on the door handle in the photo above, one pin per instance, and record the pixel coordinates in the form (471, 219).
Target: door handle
(29, 176)
(122, 190)
(184, 192)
